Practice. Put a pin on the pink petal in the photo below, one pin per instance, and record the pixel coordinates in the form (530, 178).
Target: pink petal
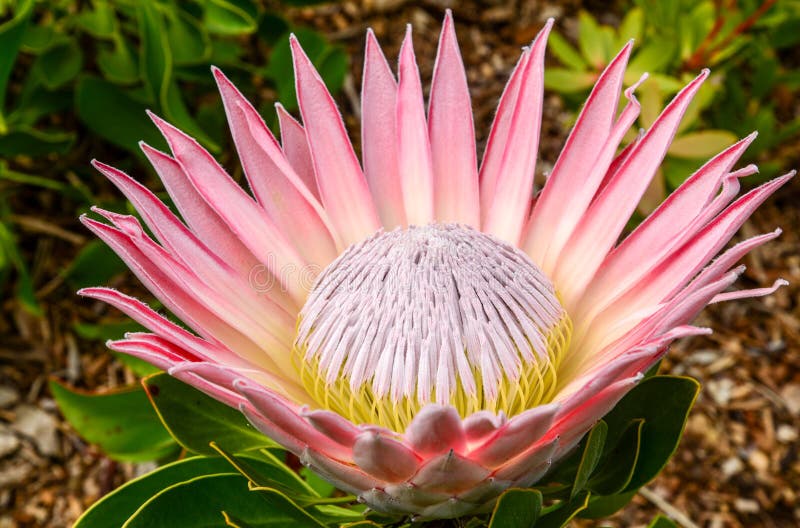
(600, 227)
(414, 149)
(295, 147)
(499, 134)
(194, 210)
(344, 476)
(333, 426)
(276, 185)
(478, 426)
(436, 429)
(450, 473)
(656, 236)
(274, 331)
(272, 411)
(163, 327)
(530, 466)
(244, 217)
(384, 458)
(753, 292)
(452, 135)
(342, 186)
(673, 273)
(521, 432)
(183, 245)
(180, 302)
(582, 149)
(508, 207)
(379, 135)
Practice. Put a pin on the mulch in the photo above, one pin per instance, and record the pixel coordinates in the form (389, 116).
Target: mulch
(737, 465)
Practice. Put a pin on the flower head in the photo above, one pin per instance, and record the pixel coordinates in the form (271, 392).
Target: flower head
(461, 333)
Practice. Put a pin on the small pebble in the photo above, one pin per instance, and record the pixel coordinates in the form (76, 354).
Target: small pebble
(786, 434)
(40, 426)
(8, 396)
(732, 466)
(746, 505)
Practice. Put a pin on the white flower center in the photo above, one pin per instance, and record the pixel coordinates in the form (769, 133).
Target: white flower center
(441, 313)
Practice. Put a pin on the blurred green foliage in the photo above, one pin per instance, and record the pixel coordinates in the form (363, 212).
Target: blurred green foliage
(744, 42)
(85, 71)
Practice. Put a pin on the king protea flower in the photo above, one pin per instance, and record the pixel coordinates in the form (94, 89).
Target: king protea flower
(421, 329)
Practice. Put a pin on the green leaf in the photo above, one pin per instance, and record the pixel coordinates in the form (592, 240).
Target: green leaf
(24, 290)
(121, 422)
(114, 509)
(100, 22)
(565, 53)
(591, 40)
(230, 17)
(38, 38)
(600, 507)
(195, 420)
(631, 27)
(59, 64)
(590, 458)
(662, 522)
(11, 33)
(29, 141)
(188, 39)
(701, 145)
(664, 403)
(105, 331)
(95, 264)
(655, 56)
(265, 470)
(568, 81)
(112, 114)
(562, 513)
(118, 63)
(517, 508)
(619, 463)
(199, 502)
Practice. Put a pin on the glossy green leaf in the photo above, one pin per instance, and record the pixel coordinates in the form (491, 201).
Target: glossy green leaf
(199, 502)
(95, 264)
(619, 462)
(265, 470)
(29, 141)
(36, 102)
(195, 420)
(97, 100)
(156, 59)
(517, 508)
(701, 145)
(591, 40)
(565, 53)
(664, 403)
(59, 64)
(562, 513)
(230, 17)
(600, 507)
(121, 422)
(662, 522)
(114, 509)
(592, 451)
(11, 33)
